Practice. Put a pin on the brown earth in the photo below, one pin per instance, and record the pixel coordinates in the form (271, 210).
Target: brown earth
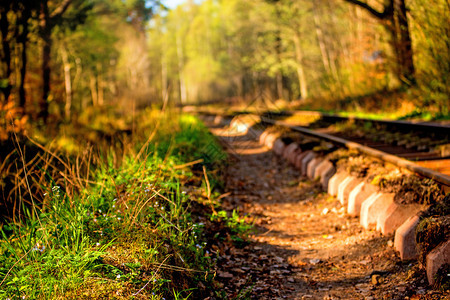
(304, 245)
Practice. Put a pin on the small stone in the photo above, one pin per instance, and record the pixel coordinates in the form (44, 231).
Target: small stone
(390, 243)
(225, 274)
(401, 289)
(306, 297)
(364, 262)
(279, 259)
(377, 279)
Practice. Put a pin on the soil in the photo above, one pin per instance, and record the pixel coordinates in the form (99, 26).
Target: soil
(304, 246)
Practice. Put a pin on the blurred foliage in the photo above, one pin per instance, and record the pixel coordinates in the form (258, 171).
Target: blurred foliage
(11, 120)
(431, 36)
(132, 54)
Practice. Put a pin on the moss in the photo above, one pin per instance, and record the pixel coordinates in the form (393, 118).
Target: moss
(442, 208)
(430, 233)
(410, 189)
(442, 278)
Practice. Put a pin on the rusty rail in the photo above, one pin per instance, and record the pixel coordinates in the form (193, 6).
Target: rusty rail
(400, 162)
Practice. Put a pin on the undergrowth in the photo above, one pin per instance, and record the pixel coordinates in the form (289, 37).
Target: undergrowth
(434, 229)
(133, 227)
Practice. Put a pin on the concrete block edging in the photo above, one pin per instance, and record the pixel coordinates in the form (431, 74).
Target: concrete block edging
(362, 200)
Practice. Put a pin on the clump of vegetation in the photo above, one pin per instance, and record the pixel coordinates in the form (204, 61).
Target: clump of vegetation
(138, 228)
(340, 156)
(433, 229)
(357, 165)
(410, 189)
(362, 166)
(442, 279)
(430, 233)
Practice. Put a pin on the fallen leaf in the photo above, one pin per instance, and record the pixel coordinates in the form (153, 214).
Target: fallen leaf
(225, 274)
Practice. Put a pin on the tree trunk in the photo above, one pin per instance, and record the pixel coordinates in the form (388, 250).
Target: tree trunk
(300, 70)
(23, 39)
(6, 54)
(46, 52)
(101, 94)
(67, 83)
(279, 76)
(328, 53)
(395, 13)
(183, 91)
(23, 72)
(280, 85)
(47, 22)
(320, 39)
(93, 87)
(100, 85)
(164, 81)
(404, 45)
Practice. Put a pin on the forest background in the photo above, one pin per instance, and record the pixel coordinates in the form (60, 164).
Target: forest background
(64, 60)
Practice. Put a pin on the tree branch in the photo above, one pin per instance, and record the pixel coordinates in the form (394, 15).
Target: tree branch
(388, 9)
(61, 9)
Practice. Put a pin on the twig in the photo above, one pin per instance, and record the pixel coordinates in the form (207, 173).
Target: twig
(10, 269)
(171, 223)
(208, 190)
(198, 161)
(49, 152)
(180, 269)
(164, 197)
(208, 187)
(142, 206)
(153, 276)
(224, 195)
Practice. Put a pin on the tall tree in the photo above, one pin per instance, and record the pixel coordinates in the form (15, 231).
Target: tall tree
(15, 28)
(291, 18)
(394, 16)
(6, 68)
(51, 15)
(27, 9)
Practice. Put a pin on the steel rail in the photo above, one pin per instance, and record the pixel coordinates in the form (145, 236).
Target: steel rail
(442, 129)
(400, 162)
(404, 125)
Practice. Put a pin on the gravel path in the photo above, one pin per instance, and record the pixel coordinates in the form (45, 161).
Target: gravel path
(304, 245)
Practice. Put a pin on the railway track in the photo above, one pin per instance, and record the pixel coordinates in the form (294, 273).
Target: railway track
(388, 211)
(414, 141)
(423, 148)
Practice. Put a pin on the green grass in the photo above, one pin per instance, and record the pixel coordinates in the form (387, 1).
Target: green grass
(139, 230)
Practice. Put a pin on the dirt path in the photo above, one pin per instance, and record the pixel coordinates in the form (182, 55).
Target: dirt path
(305, 246)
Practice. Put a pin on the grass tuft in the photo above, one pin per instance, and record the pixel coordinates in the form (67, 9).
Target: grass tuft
(121, 224)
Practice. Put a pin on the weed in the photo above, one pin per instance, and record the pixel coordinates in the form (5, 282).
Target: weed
(119, 224)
